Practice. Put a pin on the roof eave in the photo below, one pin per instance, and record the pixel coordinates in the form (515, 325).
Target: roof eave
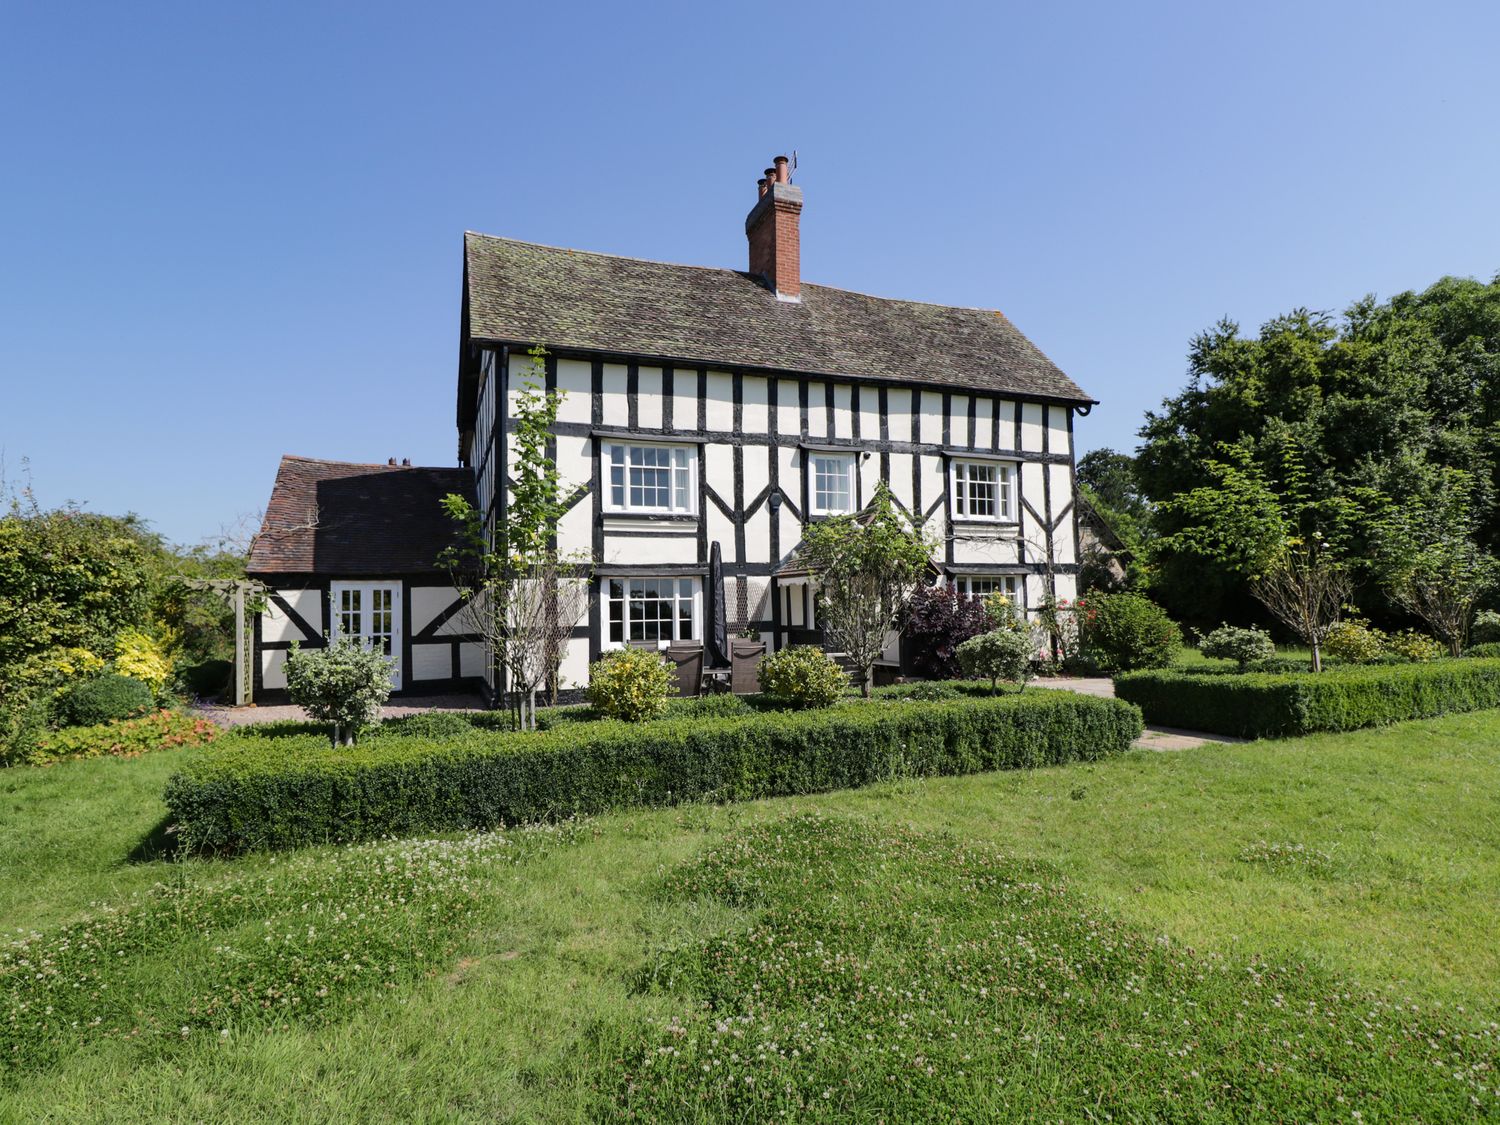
(735, 365)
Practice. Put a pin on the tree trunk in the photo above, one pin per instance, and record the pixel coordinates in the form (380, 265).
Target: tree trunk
(1317, 657)
(867, 679)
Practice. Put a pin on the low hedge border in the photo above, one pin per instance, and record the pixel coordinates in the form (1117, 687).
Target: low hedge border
(1264, 705)
(295, 791)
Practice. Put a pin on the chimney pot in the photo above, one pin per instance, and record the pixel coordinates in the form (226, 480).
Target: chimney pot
(406, 462)
(761, 186)
(772, 228)
(391, 461)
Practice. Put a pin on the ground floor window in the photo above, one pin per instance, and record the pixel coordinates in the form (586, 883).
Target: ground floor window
(983, 585)
(653, 609)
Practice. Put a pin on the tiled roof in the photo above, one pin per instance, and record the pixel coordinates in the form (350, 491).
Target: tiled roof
(523, 293)
(337, 518)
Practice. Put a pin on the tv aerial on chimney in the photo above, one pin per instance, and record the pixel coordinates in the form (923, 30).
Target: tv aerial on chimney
(792, 171)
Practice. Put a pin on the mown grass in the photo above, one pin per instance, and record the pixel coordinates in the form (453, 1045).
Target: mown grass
(1368, 858)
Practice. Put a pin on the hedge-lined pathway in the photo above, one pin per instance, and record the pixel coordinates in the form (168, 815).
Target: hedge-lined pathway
(244, 716)
(1155, 738)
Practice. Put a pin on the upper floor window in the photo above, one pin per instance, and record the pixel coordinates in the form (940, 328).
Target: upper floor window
(651, 478)
(832, 489)
(983, 490)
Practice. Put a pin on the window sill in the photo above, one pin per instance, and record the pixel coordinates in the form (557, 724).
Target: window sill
(670, 517)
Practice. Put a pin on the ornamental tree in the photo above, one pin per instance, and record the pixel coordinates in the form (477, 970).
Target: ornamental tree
(344, 684)
(519, 592)
(867, 566)
(1290, 543)
(1429, 560)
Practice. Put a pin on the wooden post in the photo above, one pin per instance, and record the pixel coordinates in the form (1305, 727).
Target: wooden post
(242, 679)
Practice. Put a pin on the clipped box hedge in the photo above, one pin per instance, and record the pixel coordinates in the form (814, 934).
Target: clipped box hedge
(1265, 705)
(293, 791)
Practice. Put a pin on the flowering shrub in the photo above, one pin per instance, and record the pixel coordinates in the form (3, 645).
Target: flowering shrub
(344, 684)
(123, 738)
(1124, 632)
(304, 940)
(1004, 654)
(631, 684)
(142, 657)
(1243, 646)
(102, 699)
(885, 974)
(939, 619)
(801, 676)
(1355, 642)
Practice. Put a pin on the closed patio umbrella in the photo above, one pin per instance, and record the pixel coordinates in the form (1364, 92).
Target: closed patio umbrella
(718, 627)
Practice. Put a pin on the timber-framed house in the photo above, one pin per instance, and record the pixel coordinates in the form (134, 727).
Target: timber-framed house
(701, 407)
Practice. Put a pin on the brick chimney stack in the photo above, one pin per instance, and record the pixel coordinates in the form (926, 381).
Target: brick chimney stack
(772, 228)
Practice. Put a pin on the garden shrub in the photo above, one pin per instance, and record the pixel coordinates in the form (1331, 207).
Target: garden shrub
(102, 699)
(123, 738)
(1124, 632)
(631, 684)
(288, 793)
(343, 684)
(1486, 628)
(938, 619)
(1261, 705)
(142, 657)
(1418, 648)
(1485, 650)
(1243, 646)
(1355, 642)
(1001, 655)
(801, 676)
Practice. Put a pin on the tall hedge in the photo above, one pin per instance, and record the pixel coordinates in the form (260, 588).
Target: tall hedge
(297, 791)
(1266, 705)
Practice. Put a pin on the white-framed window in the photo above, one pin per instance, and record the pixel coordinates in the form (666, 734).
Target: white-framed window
(651, 478)
(983, 585)
(653, 609)
(831, 487)
(984, 490)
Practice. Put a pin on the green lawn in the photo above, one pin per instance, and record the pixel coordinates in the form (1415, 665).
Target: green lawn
(1282, 898)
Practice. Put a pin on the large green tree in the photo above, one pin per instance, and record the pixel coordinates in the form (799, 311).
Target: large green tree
(1376, 399)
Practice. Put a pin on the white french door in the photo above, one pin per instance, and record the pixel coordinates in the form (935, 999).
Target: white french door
(370, 611)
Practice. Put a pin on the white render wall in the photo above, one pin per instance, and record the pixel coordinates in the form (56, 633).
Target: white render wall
(428, 642)
(749, 430)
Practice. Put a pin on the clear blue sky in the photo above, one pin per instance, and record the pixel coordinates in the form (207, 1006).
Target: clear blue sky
(233, 231)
